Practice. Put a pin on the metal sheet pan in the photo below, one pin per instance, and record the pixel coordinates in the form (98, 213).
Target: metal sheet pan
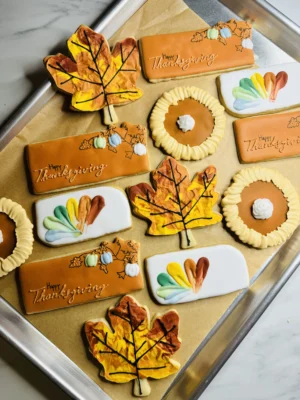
(230, 330)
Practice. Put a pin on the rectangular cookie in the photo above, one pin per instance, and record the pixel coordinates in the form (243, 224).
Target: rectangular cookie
(260, 91)
(189, 275)
(110, 270)
(227, 45)
(268, 137)
(81, 215)
(87, 159)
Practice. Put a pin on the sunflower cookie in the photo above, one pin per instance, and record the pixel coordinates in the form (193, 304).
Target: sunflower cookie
(188, 123)
(262, 207)
(16, 237)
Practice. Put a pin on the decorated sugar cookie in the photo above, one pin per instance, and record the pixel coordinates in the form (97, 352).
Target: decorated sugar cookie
(129, 348)
(190, 275)
(260, 91)
(226, 45)
(262, 207)
(176, 204)
(16, 236)
(268, 137)
(95, 77)
(87, 159)
(109, 270)
(188, 123)
(81, 215)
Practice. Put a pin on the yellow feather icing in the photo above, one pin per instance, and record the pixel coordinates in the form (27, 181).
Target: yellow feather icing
(174, 269)
(259, 84)
(72, 208)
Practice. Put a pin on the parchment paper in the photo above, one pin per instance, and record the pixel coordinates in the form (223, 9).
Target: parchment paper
(64, 327)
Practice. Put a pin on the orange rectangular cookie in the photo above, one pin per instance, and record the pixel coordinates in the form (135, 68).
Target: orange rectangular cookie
(268, 137)
(227, 45)
(110, 270)
(87, 159)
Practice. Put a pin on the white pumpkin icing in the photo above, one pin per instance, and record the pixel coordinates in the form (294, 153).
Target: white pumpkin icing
(262, 209)
(186, 123)
(139, 149)
(1, 237)
(132, 270)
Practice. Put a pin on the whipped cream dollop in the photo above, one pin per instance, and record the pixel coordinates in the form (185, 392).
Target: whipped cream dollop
(262, 209)
(186, 122)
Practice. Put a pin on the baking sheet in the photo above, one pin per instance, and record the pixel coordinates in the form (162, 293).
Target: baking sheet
(64, 327)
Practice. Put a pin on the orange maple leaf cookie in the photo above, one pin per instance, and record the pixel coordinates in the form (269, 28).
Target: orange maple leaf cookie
(176, 204)
(130, 349)
(95, 77)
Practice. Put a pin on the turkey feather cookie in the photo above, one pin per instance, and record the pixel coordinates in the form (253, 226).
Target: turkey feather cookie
(82, 215)
(189, 275)
(260, 91)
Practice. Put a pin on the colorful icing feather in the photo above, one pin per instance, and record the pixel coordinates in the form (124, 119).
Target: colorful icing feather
(251, 92)
(71, 220)
(178, 283)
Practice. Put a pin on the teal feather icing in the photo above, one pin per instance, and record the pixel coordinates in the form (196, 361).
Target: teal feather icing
(165, 280)
(62, 214)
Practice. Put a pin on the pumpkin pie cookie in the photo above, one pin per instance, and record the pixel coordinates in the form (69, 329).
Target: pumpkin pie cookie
(16, 237)
(262, 207)
(188, 123)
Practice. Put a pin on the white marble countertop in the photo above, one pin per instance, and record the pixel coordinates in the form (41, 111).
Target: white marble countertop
(266, 365)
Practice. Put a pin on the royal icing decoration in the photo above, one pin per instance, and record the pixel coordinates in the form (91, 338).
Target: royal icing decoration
(16, 236)
(262, 209)
(95, 77)
(177, 204)
(186, 123)
(89, 159)
(82, 215)
(193, 111)
(176, 55)
(132, 270)
(80, 278)
(268, 137)
(129, 348)
(257, 182)
(263, 90)
(190, 275)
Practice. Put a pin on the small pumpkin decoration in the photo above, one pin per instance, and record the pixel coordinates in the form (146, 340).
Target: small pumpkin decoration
(114, 140)
(91, 260)
(247, 44)
(100, 142)
(139, 149)
(225, 33)
(106, 258)
(132, 270)
(212, 33)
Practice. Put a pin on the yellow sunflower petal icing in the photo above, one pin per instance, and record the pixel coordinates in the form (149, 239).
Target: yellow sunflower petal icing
(176, 271)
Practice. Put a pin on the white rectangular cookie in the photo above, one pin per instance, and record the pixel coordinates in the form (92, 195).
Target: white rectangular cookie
(82, 215)
(189, 275)
(260, 91)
